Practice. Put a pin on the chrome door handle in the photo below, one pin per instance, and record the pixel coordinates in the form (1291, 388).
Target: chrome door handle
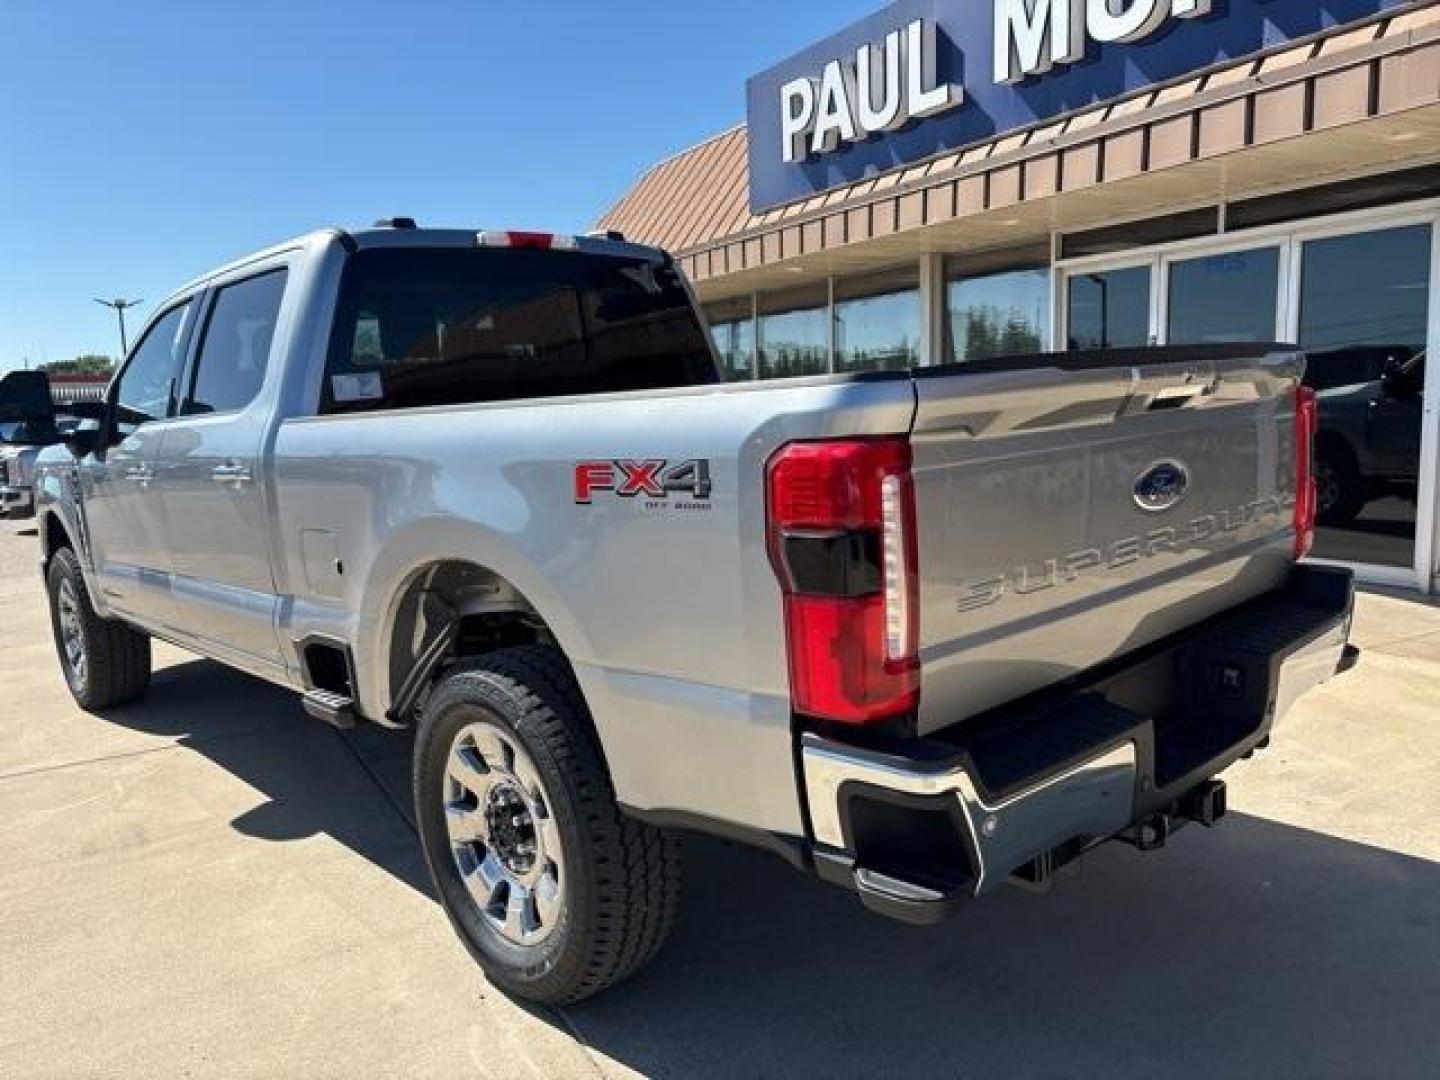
(141, 474)
(230, 474)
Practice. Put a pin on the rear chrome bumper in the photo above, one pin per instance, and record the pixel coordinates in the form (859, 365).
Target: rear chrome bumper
(1093, 798)
(1114, 781)
(1314, 663)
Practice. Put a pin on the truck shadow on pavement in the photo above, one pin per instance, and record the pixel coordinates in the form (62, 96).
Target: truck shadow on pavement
(1254, 949)
(312, 778)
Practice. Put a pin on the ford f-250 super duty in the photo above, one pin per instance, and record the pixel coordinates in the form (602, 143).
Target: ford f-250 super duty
(920, 633)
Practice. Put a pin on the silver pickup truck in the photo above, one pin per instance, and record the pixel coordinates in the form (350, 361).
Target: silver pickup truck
(919, 633)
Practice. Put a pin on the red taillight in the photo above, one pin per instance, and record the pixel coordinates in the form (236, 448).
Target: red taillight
(842, 541)
(1307, 499)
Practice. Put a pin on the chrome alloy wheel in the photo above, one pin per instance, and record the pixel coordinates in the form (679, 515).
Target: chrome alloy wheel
(72, 634)
(503, 837)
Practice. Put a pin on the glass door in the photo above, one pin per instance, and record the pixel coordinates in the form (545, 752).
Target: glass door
(1363, 320)
(1357, 293)
(1222, 296)
(1109, 307)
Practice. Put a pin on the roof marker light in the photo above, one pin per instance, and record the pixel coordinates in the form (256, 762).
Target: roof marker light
(537, 241)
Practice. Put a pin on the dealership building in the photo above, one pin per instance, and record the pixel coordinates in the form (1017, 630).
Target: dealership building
(948, 180)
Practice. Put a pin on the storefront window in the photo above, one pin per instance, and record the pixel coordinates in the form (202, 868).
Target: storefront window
(733, 330)
(1109, 309)
(878, 322)
(1003, 314)
(1363, 304)
(1227, 297)
(795, 333)
(735, 342)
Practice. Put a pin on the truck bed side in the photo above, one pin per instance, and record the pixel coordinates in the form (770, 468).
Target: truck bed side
(667, 607)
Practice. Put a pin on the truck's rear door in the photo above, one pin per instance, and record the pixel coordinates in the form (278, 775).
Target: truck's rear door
(1073, 508)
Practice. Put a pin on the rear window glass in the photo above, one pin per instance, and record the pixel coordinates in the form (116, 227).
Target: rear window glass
(447, 326)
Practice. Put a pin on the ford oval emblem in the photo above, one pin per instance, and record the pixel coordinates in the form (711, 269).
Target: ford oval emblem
(1161, 486)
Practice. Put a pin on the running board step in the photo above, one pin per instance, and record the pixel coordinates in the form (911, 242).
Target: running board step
(337, 710)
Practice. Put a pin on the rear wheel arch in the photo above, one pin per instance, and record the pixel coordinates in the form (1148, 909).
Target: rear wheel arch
(488, 611)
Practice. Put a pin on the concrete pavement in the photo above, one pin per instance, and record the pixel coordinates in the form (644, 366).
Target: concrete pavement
(209, 884)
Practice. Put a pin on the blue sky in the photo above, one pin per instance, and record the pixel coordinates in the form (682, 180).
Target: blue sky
(142, 143)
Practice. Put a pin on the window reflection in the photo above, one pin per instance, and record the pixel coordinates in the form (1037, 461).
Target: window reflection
(1003, 314)
(1226, 297)
(1363, 323)
(795, 333)
(735, 344)
(732, 328)
(1110, 309)
(877, 322)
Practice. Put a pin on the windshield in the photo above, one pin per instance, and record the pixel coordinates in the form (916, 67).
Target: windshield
(445, 326)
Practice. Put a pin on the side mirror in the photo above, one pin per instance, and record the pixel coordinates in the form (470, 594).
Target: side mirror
(83, 441)
(25, 396)
(86, 410)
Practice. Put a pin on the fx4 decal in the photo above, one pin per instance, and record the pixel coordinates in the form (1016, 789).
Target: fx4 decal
(653, 478)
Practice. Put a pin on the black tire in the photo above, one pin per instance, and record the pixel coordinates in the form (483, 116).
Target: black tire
(620, 882)
(116, 656)
(1342, 491)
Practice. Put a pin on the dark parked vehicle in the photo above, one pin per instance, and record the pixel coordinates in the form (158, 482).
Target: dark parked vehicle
(28, 424)
(1371, 404)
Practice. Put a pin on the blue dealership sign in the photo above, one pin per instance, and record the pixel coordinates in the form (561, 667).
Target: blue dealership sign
(926, 76)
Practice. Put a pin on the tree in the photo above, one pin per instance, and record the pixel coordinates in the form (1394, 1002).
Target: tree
(1019, 337)
(88, 364)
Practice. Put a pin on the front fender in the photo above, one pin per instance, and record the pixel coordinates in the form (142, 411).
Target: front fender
(60, 517)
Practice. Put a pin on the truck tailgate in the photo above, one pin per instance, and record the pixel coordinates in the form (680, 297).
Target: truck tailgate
(1073, 509)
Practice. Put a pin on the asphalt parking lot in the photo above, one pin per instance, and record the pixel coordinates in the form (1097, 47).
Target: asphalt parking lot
(212, 884)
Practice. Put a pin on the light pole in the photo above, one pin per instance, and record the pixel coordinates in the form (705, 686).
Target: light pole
(120, 306)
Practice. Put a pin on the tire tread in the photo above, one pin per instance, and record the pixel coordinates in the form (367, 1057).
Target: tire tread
(118, 655)
(637, 866)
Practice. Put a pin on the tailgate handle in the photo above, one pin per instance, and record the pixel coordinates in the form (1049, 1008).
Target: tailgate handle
(1175, 397)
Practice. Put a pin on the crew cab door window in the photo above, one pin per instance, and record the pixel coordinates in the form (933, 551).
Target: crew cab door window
(146, 389)
(235, 348)
(123, 511)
